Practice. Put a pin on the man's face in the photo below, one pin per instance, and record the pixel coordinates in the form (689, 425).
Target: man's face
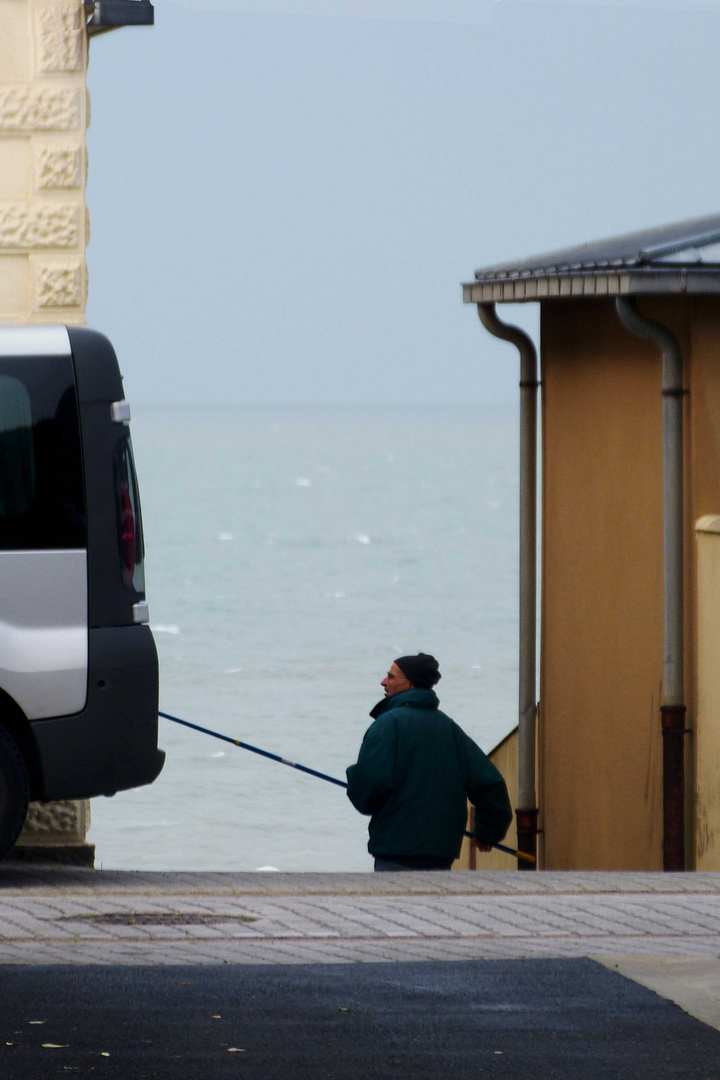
(395, 682)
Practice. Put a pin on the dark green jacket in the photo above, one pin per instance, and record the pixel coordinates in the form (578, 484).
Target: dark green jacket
(415, 770)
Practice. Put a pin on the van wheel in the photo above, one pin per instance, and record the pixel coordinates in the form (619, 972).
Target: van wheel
(14, 793)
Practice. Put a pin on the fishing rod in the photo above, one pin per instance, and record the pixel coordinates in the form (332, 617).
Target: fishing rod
(254, 749)
(311, 772)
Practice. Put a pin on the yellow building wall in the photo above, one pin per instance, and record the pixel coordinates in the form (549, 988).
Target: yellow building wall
(599, 733)
(600, 763)
(600, 747)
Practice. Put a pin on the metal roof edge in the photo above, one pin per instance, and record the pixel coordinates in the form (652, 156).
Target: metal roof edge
(593, 284)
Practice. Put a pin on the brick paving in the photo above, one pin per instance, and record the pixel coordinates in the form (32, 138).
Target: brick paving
(50, 916)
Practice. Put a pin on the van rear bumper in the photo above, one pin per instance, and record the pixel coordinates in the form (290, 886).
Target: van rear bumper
(112, 744)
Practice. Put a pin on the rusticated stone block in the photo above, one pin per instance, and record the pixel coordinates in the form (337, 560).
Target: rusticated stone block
(59, 37)
(39, 109)
(59, 285)
(55, 833)
(58, 167)
(25, 226)
(63, 821)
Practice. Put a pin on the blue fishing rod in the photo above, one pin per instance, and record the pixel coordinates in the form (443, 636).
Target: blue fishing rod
(305, 769)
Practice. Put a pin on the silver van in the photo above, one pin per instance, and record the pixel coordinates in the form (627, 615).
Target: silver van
(78, 666)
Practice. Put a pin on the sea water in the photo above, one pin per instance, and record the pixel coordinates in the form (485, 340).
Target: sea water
(292, 554)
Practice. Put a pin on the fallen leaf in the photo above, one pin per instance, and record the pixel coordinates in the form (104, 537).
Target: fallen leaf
(499, 1051)
(55, 1046)
(216, 1016)
(37, 1021)
(11, 1044)
(343, 1008)
(236, 1050)
(104, 1053)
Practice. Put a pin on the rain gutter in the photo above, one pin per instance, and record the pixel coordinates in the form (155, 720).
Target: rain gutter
(527, 810)
(672, 708)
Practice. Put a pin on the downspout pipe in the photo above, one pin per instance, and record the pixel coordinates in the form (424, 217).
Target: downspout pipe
(527, 809)
(672, 708)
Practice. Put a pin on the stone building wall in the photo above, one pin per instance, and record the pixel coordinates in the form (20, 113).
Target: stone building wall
(43, 119)
(43, 234)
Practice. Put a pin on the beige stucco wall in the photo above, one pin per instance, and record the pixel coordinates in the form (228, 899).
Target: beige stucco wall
(43, 118)
(505, 758)
(707, 725)
(704, 500)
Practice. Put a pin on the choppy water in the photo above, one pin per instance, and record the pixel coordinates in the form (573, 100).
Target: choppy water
(292, 554)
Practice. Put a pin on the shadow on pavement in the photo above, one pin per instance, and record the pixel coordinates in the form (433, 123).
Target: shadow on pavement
(499, 1018)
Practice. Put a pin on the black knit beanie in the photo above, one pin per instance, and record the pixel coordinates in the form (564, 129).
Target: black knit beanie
(421, 670)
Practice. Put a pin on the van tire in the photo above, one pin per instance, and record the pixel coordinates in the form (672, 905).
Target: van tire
(14, 793)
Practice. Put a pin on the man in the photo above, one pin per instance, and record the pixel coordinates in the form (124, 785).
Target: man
(415, 771)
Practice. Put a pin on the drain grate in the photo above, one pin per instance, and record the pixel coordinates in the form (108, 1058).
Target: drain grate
(158, 918)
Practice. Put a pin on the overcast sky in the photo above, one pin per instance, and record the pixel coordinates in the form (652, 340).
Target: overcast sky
(286, 195)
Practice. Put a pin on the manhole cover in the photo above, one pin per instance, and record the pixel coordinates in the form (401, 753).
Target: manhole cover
(158, 918)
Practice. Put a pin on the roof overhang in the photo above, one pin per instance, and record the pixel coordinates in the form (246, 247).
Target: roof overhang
(518, 288)
(672, 259)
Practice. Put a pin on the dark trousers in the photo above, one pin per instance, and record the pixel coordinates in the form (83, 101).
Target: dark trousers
(385, 864)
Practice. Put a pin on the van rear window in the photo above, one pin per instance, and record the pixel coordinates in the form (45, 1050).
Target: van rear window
(17, 458)
(42, 505)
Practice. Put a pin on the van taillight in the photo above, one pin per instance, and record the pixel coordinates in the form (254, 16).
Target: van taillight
(127, 534)
(129, 519)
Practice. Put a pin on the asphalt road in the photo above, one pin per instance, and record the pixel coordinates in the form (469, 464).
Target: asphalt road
(498, 1018)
